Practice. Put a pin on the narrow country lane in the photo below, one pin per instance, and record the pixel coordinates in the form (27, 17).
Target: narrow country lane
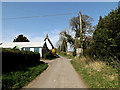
(59, 74)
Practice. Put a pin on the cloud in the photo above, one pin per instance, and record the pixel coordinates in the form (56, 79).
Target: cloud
(37, 38)
(8, 36)
(54, 36)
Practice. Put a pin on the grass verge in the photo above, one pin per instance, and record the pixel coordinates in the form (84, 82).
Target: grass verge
(20, 78)
(96, 73)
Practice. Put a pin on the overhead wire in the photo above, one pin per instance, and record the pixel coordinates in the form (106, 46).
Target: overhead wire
(25, 17)
(37, 16)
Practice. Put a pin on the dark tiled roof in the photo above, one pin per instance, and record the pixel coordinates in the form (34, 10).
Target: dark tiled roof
(49, 40)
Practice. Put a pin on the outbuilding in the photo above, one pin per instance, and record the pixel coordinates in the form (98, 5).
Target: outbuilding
(40, 47)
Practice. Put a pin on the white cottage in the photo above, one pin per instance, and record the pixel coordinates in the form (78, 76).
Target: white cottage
(41, 47)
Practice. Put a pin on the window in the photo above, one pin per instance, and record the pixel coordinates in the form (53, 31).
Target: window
(27, 49)
(36, 49)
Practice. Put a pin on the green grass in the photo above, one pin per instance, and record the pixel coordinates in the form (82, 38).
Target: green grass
(20, 78)
(96, 73)
(69, 56)
(66, 55)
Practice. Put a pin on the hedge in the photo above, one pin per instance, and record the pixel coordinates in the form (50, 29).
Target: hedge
(107, 36)
(13, 59)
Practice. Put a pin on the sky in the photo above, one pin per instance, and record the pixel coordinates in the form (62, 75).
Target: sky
(46, 17)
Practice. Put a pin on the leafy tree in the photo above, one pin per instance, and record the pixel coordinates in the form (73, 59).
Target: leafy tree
(75, 30)
(86, 25)
(21, 38)
(69, 38)
(59, 49)
(75, 26)
(64, 45)
(107, 36)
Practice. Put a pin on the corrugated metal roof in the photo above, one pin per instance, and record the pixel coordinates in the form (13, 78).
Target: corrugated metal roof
(22, 44)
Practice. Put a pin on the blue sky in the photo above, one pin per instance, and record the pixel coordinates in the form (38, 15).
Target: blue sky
(35, 28)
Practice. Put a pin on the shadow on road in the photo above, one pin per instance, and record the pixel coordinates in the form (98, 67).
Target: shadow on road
(57, 56)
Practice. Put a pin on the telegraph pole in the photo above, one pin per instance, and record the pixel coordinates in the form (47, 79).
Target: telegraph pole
(81, 38)
(80, 22)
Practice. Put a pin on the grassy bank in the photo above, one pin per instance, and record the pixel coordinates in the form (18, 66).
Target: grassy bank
(18, 79)
(96, 73)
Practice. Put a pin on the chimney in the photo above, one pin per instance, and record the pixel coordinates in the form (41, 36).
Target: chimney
(47, 36)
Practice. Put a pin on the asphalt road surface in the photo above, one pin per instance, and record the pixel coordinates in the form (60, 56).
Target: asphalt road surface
(59, 74)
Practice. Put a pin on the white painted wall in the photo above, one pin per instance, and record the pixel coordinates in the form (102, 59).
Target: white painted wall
(40, 51)
(32, 49)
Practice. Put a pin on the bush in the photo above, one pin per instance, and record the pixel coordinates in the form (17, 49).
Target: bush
(89, 52)
(53, 51)
(49, 55)
(12, 59)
